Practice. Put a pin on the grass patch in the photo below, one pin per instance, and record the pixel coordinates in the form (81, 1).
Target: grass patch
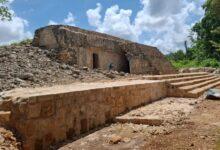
(196, 63)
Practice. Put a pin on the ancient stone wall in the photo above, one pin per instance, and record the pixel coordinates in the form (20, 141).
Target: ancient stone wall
(66, 37)
(104, 58)
(49, 115)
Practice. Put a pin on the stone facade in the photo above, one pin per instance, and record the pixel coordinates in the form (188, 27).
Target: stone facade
(97, 50)
(49, 115)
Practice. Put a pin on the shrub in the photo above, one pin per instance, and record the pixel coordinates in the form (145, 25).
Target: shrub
(196, 63)
(24, 42)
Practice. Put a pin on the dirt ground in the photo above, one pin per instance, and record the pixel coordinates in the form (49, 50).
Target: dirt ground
(199, 130)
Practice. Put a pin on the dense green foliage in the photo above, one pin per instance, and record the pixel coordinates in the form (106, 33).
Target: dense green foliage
(4, 11)
(186, 63)
(205, 50)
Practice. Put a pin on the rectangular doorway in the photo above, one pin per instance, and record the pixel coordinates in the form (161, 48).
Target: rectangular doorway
(95, 59)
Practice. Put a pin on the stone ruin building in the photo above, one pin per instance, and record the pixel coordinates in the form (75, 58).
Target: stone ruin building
(45, 116)
(96, 50)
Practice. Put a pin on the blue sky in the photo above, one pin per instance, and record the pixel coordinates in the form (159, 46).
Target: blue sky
(162, 23)
(38, 13)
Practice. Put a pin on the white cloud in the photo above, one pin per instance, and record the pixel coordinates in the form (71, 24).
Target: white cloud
(94, 16)
(14, 30)
(51, 22)
(159, 23)
(69, 20)
(115, 22)
(172, 33)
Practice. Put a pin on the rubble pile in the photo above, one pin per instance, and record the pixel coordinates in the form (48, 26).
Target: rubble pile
(26, 66)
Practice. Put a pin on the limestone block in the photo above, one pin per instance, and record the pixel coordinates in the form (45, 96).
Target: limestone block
(47, 39)
(4, 117)
(22, 107)
(60, 133)
(34, 111)
(84, 125)
(5, 105)
(47, 108)
(120, 101)
(108, 116)
(58, 117)
(30, 128)
(92, 122)
(49, 138)
(59, 103)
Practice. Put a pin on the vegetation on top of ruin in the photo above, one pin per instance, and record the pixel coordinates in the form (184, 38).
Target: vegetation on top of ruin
(23, 42)
(19, 43)
(205, 49)
(5, 14)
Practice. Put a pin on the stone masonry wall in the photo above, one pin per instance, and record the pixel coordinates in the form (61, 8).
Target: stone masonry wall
(50, 115)
(66, 37)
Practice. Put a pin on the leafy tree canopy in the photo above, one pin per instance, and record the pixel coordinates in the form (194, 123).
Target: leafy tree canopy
(4, 11)
(208, 30)
(205, 50)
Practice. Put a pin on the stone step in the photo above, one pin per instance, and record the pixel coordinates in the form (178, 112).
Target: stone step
(170, 76)
(159, 112)
(187, 78)
(191, 82)
(199, 85)
(147, 120)
(199, 91)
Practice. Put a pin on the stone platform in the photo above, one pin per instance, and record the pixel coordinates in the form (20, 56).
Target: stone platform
(44, 116)
(48, 115)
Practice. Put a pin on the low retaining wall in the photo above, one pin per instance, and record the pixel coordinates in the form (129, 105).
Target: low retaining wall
(49, 115)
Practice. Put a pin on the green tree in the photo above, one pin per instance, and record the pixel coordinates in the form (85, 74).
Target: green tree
(216, 7)
(176, 56)
(4, 11)
(208, 32)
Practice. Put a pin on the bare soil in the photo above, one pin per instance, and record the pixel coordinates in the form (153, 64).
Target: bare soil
(199, 130)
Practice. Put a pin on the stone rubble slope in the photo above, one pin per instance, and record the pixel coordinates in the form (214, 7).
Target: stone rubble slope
(8, 141)
(26, 66)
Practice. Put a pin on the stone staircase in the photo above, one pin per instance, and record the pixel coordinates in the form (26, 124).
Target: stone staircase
(182, 89)
(190, 85)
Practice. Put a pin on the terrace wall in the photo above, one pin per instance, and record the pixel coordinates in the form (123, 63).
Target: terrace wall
(50, 115)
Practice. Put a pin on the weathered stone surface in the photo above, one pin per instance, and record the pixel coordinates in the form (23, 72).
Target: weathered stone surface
(4, 117)
(202, 69)
(169, 110)
(50, 115)
(78, 46)
(115, 139)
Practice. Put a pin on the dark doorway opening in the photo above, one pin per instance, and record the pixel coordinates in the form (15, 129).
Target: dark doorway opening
(95, 58)
(126, 66)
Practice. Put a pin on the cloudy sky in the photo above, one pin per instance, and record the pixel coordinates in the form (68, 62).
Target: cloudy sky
(162, 23)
